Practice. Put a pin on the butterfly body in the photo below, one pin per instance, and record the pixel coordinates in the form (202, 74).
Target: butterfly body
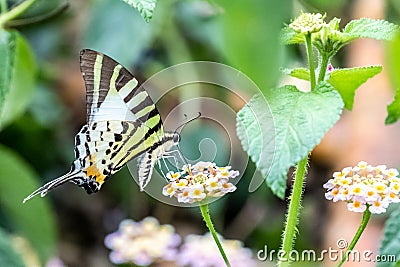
(122, 124)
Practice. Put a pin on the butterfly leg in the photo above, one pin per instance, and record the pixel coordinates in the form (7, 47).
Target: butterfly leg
(160, 168)
(182, 159)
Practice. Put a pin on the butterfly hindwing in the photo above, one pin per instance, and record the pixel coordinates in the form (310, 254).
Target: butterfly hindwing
(146, 164)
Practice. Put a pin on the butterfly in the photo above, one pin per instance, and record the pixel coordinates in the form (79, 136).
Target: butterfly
(122, 124)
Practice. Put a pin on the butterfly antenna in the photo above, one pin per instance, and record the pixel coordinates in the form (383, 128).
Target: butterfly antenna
(185, 123)
(183, 158)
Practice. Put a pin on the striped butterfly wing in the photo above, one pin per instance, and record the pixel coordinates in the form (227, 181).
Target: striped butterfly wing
(122, 123)
(113, 93)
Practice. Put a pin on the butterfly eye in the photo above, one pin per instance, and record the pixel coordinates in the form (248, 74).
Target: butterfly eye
(176, 138)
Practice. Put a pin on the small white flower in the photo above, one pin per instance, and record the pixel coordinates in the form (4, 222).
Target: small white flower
(227, 187)
(180, 184)
(333, 195)
(168, 190)
(379, 206)
(184, 197)
(392, 172)
(212, 184)
(371, 195)
(393, 197)
(173, 176)
(357, 206)
(197, 192)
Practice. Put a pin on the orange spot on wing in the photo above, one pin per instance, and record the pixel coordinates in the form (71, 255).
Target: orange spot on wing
(93, 171)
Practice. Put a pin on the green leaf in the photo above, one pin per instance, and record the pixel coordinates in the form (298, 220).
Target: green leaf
(17, 75)
(145, 7)
(371, 28)
(394, 109)
(8, 256)
(300, 73)
(391, 241)
(301, 120)
(393, 61)
(256, 132)
(347, 80)
(290, 36)
(33, 220)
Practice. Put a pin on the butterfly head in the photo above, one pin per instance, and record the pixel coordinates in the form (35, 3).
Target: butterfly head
(176, 138)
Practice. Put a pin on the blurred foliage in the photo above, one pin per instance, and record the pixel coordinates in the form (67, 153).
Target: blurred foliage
(145, 7)
(391, 242)
(129, 42)
(393, 59)
(33, 220)
(17, 75)
(8, 256)
(254, 26)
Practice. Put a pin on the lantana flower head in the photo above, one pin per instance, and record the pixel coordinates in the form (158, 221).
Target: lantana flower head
(308, 23)
(196, 183)
(200, 251)
(364, 187)
(142, 243)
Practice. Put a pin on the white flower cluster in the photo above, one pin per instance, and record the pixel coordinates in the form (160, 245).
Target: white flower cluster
(365, 186)
(142, 243)
(308, 23)
(200, 251)
(149, 243)
(197, 182)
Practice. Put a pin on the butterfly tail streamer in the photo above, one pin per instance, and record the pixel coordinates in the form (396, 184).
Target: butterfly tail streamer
(43, 190)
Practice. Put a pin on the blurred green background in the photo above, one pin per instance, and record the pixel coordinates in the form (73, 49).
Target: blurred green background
(37, 143)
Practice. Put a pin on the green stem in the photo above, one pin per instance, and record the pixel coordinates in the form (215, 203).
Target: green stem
(365, 219)
(15, 12)
(206, 216)
(310, 61)
(322, 69)
(292, 218)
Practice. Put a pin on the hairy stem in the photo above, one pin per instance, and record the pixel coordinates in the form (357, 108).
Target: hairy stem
(361, 228)
(323, 67)
(206, 216)
(292, 218)
(310, 61)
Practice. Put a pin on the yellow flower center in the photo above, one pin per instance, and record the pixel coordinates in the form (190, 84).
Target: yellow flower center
(197, 192)
(396, 187)
(357, 204)
(335, 192)
(213, 184)
(357, 190)
(170, 190)
(380, 187)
